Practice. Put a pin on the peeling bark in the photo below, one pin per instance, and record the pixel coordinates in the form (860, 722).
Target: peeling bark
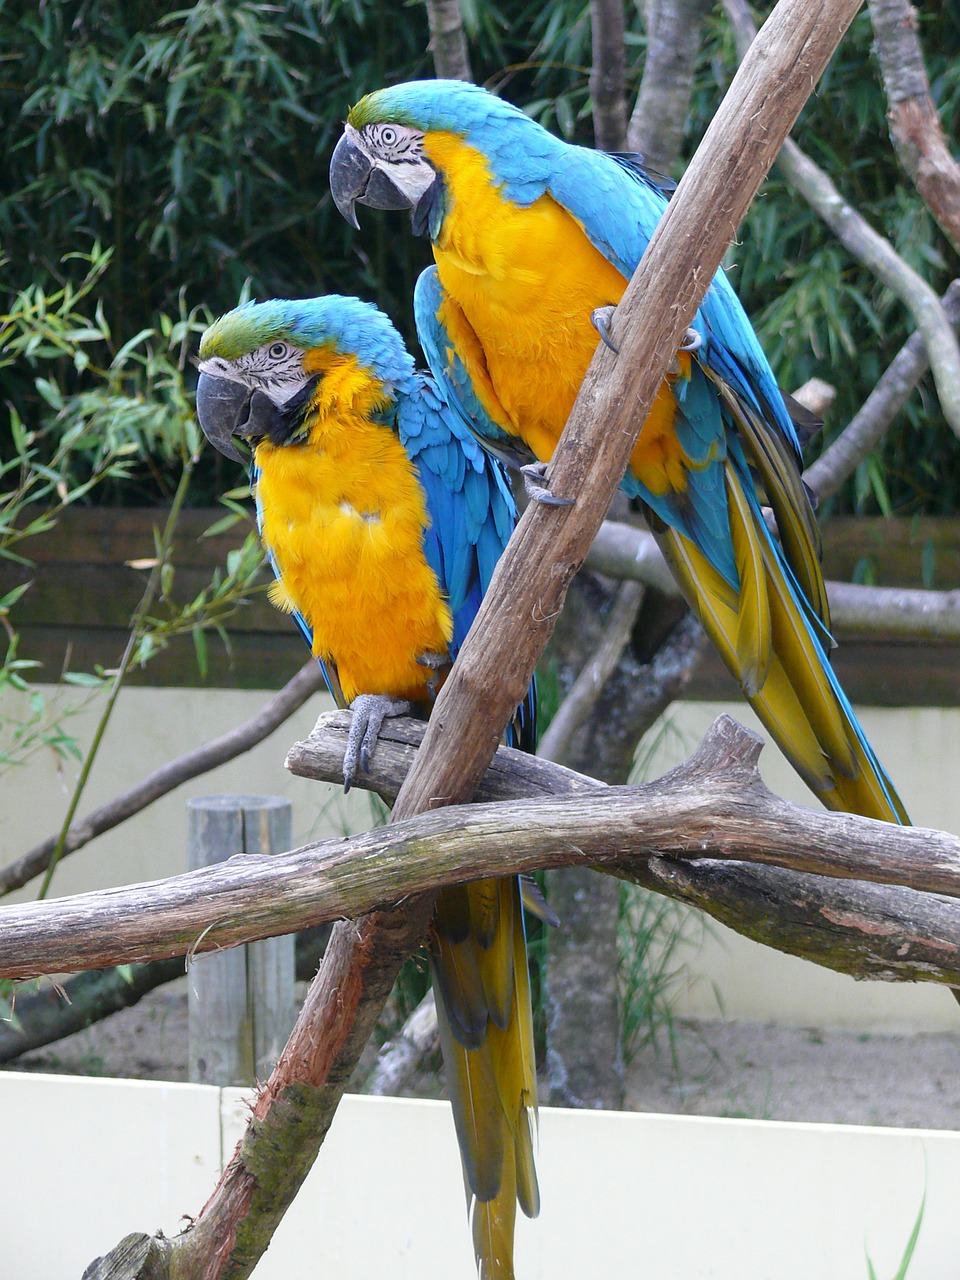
(915, 128)
(448, 40)
(663, 103)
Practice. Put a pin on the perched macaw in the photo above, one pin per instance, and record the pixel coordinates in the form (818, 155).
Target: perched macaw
(383, 520)
(534, 241)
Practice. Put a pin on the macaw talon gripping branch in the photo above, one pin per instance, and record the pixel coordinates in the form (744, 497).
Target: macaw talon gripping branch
(367, 714)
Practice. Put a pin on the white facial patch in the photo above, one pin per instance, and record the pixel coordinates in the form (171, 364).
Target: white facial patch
(397, 150)
(276, 369)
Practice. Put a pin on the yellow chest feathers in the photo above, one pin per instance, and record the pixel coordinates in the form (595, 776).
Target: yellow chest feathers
(526, 280)
(343, 517)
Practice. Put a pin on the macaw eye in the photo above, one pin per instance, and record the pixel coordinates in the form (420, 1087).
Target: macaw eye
(278, 351)
(388, 136)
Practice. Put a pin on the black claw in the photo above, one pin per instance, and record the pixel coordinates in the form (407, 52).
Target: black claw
(600, 318)
(691, 341)
(532, 474)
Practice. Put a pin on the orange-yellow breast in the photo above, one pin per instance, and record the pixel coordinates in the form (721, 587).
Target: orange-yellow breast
(343, 516)
(520, 285)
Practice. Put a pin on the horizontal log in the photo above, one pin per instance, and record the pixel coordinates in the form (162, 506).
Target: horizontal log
(714, 806)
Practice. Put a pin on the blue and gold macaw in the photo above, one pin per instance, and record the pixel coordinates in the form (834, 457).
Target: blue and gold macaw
(383, 520)
(534, 240)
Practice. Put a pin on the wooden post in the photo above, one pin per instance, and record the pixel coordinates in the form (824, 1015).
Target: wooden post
(241, 1004)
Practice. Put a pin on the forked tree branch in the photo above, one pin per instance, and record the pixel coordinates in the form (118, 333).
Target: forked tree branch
(714, 807)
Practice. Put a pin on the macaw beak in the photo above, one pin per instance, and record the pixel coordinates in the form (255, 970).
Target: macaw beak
(354, 177)
(222, 408)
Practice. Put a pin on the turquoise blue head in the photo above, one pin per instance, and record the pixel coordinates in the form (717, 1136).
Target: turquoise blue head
(258, 365)
(383, 159)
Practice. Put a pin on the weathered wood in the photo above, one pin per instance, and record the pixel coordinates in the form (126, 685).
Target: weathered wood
(714, 806)
(136, 1257)
(240, 1001)
(862, 930)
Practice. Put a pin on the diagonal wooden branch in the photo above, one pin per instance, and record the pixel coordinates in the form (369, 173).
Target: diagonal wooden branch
(875, 416)
(915, 127)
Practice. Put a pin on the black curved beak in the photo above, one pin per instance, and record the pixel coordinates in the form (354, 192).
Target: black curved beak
(222, 407)
(353, 179)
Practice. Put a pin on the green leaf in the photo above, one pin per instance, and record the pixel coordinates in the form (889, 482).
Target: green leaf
(200, 650)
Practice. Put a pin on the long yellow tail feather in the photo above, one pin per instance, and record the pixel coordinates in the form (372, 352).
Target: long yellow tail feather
(491, 1070)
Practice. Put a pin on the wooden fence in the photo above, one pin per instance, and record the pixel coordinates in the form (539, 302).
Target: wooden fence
(84, 591)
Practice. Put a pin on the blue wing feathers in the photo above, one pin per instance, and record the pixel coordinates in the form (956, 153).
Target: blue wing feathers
(471, 509)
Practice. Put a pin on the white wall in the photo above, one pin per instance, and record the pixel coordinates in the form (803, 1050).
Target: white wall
(85, 1162)
(920, 747)
(149, 728)
(730, 976)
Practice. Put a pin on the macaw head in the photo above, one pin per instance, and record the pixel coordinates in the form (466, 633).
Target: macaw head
(387, 158)
(267, 367)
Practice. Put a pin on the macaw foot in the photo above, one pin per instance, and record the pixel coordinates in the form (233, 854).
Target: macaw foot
(367, 714)
(534, 473)
(691, 341)
(439, 664)
(600, 318)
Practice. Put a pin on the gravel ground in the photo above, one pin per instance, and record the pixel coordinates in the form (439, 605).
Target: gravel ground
(711, 1068)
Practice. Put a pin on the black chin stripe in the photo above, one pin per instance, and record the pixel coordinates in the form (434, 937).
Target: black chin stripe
(280, 424)
(427, 214)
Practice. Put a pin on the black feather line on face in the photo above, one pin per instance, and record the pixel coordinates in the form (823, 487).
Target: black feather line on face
(428, 212)
(280, 424)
